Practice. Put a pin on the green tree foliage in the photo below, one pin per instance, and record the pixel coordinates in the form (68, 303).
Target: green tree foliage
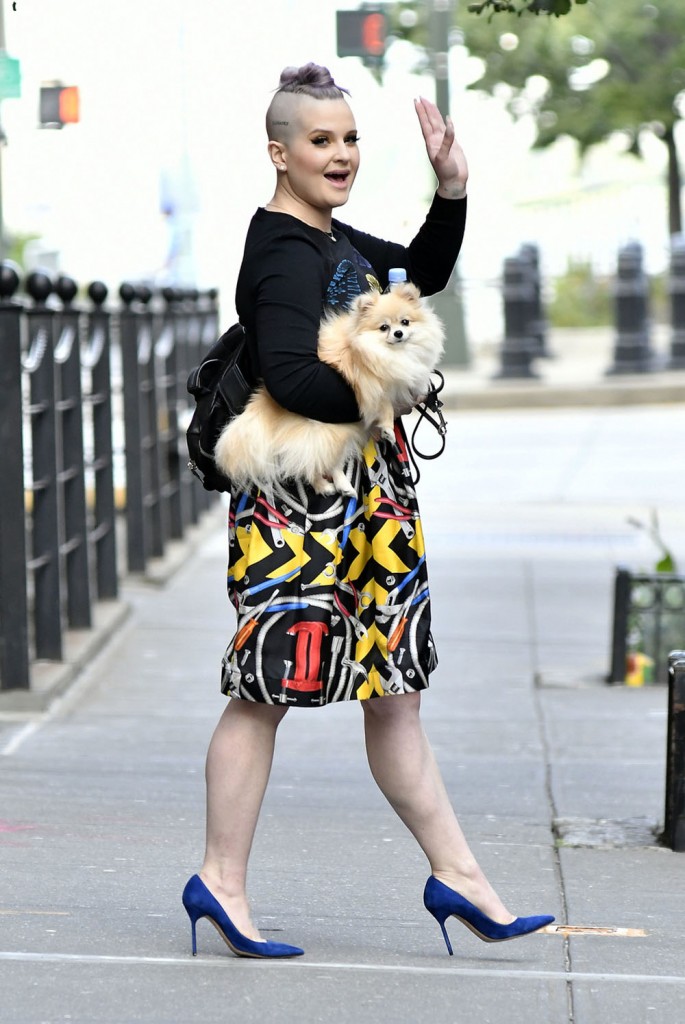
(555, 7)
(580, 298)
(610, 67)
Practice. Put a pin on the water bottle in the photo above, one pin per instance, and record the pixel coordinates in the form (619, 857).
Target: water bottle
(396, 275)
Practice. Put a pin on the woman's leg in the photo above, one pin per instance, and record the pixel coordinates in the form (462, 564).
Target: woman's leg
(403, 765)
(237, 772)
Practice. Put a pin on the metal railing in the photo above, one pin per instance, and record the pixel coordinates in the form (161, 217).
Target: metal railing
(92, 405)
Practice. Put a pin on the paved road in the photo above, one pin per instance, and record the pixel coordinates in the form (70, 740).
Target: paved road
(102, 799)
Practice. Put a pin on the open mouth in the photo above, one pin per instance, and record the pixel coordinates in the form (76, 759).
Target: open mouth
(338, 177)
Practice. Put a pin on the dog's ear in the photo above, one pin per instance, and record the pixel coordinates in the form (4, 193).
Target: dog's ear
(408, 291)
(363, 302)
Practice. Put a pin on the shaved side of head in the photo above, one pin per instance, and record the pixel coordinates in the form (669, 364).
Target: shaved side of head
(281, 117)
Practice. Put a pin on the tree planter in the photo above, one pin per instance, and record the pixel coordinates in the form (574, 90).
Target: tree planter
(649, 622)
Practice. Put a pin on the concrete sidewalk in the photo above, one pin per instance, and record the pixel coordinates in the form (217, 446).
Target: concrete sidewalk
(574, 374)
(103, 797)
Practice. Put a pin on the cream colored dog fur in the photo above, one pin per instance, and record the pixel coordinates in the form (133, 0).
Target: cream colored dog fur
(385, 346)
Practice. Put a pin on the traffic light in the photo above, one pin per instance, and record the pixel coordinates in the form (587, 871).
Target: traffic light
(59, 105)
(362, 34)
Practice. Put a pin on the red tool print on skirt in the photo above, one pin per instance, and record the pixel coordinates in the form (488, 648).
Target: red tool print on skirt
(307, 656)
(402, 455)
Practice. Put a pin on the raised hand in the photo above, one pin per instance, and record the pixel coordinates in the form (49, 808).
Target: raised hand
(444, 152)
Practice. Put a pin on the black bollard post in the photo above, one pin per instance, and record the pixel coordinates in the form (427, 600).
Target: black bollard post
(530, 253)
(674, 817)
(519, 347)
(14, 629)
(676, 290)
(632, 347)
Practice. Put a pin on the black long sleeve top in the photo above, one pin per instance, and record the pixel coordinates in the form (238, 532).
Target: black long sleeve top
(291, 273)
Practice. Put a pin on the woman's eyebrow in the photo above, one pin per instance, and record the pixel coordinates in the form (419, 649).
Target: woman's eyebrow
(329, 131)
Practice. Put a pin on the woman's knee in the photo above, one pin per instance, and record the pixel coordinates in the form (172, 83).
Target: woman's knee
(256, 715)
(392, 707)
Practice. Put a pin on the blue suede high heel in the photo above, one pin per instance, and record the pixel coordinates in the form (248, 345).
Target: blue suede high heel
(199, 902)
(443, 902)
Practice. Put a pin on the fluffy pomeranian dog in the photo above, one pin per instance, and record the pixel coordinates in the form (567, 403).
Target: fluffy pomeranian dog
(385, 346)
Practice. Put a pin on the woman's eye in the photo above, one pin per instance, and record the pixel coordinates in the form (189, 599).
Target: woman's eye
(320, 140)
(352, 140)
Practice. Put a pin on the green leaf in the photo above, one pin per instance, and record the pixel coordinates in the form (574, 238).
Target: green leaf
(611, 68)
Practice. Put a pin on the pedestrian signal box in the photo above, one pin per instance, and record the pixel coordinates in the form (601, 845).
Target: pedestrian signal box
(59, 105)
(361, 34)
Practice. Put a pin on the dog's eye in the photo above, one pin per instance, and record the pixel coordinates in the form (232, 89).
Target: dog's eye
(384, 327)
(405, 323)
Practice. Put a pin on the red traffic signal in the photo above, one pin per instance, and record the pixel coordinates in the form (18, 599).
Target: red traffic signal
(361, 34)
(59, 105)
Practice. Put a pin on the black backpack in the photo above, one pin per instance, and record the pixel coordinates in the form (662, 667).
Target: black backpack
(221, 386)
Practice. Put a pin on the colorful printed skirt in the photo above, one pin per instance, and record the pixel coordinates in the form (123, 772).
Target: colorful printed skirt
(331, 592)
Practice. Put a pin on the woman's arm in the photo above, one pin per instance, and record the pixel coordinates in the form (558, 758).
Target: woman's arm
(430, 257)
(287, 312)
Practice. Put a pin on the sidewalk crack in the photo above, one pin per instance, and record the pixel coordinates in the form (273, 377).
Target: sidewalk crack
(529, 590)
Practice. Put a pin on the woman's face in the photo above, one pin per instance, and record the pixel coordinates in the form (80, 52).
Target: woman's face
(321, 156)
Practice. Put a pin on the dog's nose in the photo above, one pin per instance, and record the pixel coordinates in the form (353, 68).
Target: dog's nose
(399, 335)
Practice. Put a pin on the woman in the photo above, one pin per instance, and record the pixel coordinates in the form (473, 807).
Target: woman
(331, 592)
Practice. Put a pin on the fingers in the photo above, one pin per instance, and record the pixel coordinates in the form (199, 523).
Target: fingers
(447, 139)
(429, 115)
(423, 119)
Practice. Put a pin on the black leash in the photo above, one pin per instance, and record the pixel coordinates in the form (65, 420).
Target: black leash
(429, 409)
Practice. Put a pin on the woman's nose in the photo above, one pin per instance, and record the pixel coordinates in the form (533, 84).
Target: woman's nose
(341, 152)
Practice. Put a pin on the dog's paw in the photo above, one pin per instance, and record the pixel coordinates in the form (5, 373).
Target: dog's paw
(342, 484)
(324, 486)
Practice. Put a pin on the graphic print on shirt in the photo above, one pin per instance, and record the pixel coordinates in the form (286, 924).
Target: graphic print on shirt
(345, 284)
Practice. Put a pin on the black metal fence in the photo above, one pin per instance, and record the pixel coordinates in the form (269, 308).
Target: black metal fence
(92, 404)
(648, 623)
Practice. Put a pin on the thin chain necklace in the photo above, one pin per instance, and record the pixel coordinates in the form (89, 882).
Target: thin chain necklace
(273, 206)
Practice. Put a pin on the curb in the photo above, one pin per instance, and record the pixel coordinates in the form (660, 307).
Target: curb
(50, 679)
(634, 390)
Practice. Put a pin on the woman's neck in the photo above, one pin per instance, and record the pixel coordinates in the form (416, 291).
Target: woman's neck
(310, 215)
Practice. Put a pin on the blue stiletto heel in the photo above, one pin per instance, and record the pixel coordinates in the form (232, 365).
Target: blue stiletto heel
(443, 902)
(199, 902)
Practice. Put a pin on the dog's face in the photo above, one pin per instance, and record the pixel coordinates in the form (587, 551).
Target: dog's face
(392, 317)
(396, 326)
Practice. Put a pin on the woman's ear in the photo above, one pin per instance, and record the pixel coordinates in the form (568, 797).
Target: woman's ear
(277, 153)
